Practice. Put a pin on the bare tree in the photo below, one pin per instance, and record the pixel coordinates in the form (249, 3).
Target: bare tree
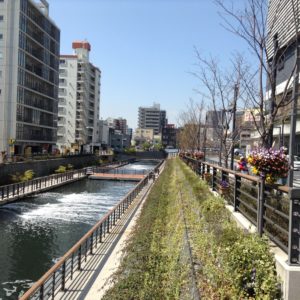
(219, 89)
(260, 81)
(191, 122)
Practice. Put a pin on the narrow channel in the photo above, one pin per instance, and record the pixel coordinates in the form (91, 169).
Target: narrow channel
(36, 232)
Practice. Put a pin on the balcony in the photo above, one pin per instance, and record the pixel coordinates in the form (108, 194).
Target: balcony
(62, 111)
(61, 131)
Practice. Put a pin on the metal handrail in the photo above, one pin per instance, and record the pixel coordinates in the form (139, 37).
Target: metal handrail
(18, 190)
(265, 206)
(72, 259)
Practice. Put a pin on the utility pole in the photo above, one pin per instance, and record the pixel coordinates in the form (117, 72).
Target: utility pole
(233, 135)
(221, 137)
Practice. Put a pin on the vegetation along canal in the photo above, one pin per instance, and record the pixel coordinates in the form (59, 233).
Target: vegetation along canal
(36, 232)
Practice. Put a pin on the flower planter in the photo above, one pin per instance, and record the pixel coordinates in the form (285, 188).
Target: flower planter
(224, 191)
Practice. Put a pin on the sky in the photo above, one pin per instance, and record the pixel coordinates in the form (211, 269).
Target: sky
(145, 49)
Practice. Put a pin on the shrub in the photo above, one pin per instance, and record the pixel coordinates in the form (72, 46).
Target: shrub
(61, 169)
(19, 177)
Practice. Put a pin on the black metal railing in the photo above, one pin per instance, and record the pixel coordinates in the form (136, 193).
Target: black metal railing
(273, 209)
(21, 189)
(54, 281)
(18, 190)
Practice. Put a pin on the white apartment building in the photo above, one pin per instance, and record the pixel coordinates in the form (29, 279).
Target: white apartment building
(67, 102)
(29, 60)
(79, 100)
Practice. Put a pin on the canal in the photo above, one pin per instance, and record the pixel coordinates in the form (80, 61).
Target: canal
(36, 232)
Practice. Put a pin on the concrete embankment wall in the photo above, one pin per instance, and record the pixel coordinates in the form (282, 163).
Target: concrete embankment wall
(143, 155)
(44, 167)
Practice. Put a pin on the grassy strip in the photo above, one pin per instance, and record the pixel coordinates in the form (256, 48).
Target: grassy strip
(152, 268)
(230, 264)
(233, 264)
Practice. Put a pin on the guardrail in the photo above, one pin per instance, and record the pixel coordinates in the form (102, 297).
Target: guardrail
(273, 209)
(54, 281)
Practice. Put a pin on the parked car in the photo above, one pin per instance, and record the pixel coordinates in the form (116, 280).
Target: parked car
(239, 152)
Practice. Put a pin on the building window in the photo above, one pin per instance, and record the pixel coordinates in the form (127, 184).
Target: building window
(1, 17)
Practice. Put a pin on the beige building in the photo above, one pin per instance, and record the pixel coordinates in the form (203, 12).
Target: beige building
(142, 135)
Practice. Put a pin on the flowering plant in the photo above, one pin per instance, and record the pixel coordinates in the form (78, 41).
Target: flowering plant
(198, 155)
(269, 163)
(224, 184)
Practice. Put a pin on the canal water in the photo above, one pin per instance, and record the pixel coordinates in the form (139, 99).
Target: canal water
(36, 232)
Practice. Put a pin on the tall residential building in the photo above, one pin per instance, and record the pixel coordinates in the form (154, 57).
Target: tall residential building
(79, 99)
(283, 28)
(29, 60)
(67, 102)
(152, 118)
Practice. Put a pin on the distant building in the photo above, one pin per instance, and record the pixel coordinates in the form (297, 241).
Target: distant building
(169, 134)
(142, 135)
(120, 141)
(214, 121)
(29, 59)
(120, 124)
(79, 92)
(152, 118)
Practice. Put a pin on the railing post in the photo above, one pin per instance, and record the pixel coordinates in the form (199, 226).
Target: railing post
(53, 285)
(72, 265)
(63, 276)
(214, 177)
(79, 258)
(86, 250)
(236, 193)
(108, 223)
(91, 245)
(42, 292)
(260, 207)
(100, 234)
(294, 227)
